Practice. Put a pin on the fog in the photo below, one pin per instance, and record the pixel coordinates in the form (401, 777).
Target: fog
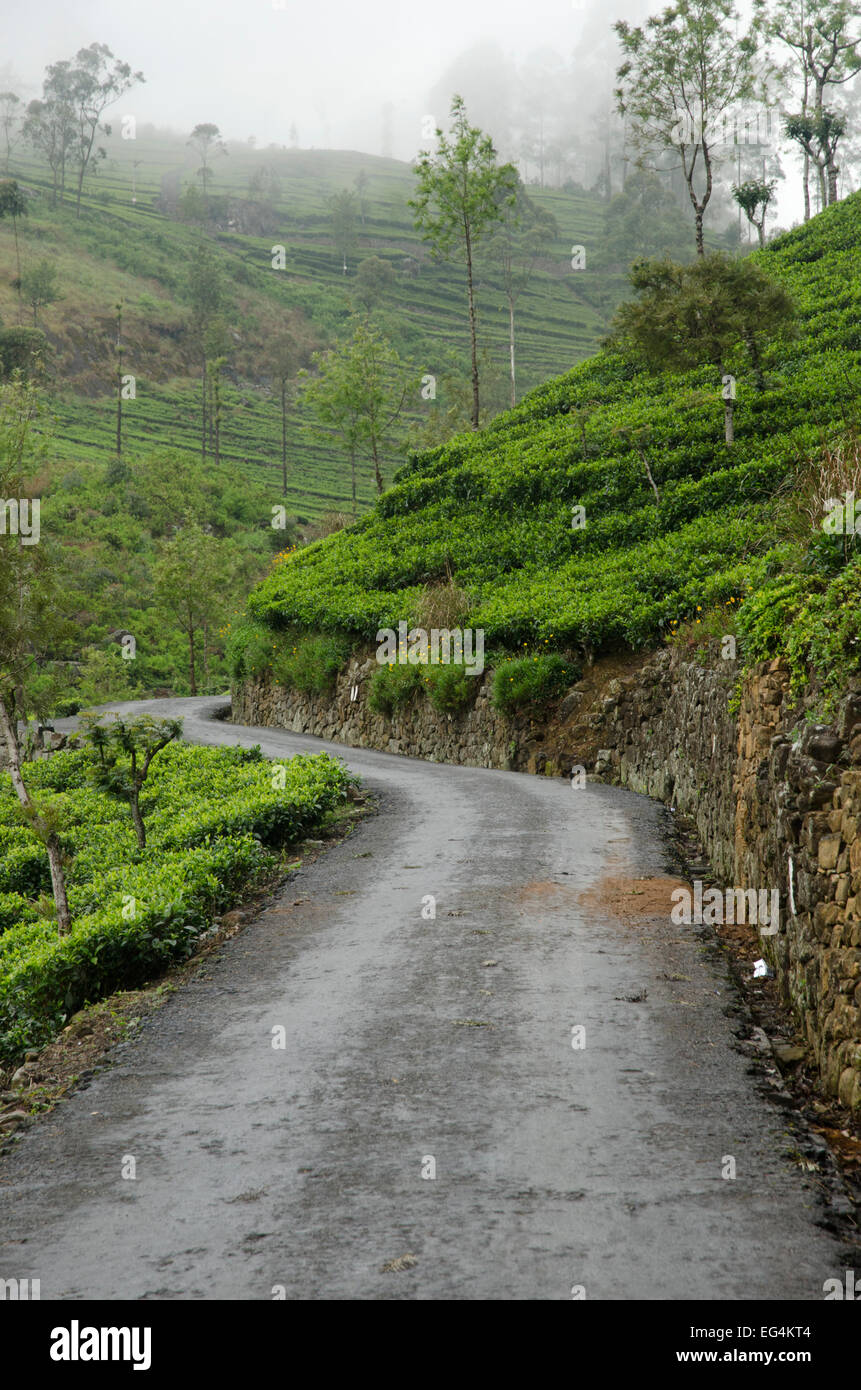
(257, 67)
(372, 77)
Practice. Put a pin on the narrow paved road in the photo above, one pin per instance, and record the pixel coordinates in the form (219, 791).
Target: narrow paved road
(447, 1039)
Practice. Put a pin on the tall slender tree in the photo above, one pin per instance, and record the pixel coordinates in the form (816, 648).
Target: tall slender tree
(461, 194)
(119, 346)
(49, 125)
(682, 74)
(206, 293)
(11, 120)
(754, 197)
(98, 80)
(824, 38)
(206, 140)
(361, 392)
(13, 204)
(523, 233)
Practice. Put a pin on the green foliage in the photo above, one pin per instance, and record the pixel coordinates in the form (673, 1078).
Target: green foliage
(301, 661)
(125, 749)
(23, 350)
(681, 72)
(104, 677)
(215, 817)
(450, 688)
(311, 663)
(493, 510)
(360, 392)
(394, 686)
(40, 286)
(644, 221)
(165, 544)
(689, 315)
(810, 621)
(375, 279)
(754, 197)
(530, 682)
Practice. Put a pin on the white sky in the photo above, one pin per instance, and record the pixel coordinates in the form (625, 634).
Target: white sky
(253, 69)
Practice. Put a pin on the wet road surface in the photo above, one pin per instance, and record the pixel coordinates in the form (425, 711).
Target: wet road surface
(419, 1046)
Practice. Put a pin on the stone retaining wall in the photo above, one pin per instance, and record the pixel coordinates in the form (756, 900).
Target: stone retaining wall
(776, 798)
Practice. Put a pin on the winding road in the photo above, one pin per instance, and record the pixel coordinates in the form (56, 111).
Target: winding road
(433, 1127)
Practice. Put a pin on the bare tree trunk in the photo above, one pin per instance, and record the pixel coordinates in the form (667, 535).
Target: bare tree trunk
(58, 885)
(701, 250)
(377, 474)
(192, 677)
(511, 350)
(203, 413)
(284, 434)
(645, 463)
(17, 260)
(137, 818)
(472, 333)
(50, 841)
(755, 359)
(119, 415)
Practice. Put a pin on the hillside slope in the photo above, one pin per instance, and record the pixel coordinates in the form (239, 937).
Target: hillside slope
(494, 509)
(132, 244)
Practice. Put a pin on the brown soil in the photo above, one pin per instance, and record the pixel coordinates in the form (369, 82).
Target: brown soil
(633, 900)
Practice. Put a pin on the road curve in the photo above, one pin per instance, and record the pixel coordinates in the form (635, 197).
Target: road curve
(300, 1169)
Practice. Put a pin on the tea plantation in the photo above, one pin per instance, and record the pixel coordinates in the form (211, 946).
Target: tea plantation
(493, 510)
(214, 820)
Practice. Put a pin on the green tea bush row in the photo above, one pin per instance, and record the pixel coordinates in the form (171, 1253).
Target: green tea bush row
(213, 814)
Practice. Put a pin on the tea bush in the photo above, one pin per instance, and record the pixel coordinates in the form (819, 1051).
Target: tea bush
(531, 681)
(490, 513)
(393, 686)
(450, 688)
(214, 816)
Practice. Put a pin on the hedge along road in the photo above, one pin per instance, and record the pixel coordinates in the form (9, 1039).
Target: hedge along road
(302, 1169)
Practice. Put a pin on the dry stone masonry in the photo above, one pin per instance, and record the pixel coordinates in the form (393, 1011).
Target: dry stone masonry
(774, 795)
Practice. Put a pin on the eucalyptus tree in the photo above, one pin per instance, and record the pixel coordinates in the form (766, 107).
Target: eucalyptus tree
(461, 195)
(684, 73)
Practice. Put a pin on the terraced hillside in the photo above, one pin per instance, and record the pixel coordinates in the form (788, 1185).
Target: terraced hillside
(130, 244)
(494, 510)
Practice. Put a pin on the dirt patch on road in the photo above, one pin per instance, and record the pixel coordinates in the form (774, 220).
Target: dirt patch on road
(633, 900)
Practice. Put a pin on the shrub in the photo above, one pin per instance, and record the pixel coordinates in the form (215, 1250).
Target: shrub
(311, 663)
(531, 681)
(449, 688)
(14, 909)
(393, 686)
(213, 814)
